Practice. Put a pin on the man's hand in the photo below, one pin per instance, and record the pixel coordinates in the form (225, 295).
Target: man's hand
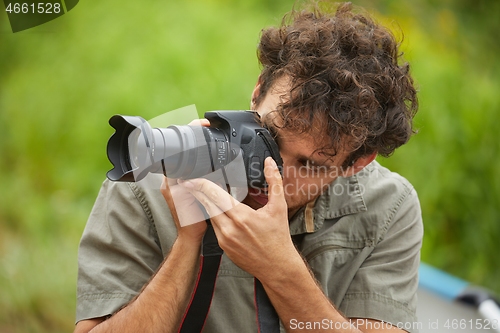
(185, 209)
(258, 241)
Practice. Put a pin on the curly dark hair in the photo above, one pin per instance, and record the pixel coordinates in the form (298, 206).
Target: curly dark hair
(344, 74)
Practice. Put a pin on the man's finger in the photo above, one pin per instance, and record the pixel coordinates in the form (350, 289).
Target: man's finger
(275, 182)
(210, 207)
(212, 194)
(170, 181)
(200, 122)
(167, 194)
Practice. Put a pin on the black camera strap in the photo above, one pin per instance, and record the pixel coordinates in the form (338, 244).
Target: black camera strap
(195, 317)
(197, 312)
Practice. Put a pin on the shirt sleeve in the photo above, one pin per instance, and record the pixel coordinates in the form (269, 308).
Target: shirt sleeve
(119, 251)
(384, 288)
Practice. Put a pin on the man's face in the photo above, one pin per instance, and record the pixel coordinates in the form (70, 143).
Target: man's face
(306, 169)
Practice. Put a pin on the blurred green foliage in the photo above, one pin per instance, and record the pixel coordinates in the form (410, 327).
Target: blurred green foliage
(60, 83)
(454, 160)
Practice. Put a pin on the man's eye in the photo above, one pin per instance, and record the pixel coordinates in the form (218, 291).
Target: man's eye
(311, 166)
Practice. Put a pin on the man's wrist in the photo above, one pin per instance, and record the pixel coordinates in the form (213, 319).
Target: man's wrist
(186, 243)
(284, 270)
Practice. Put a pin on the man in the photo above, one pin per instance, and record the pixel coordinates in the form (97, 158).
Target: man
(335, 240)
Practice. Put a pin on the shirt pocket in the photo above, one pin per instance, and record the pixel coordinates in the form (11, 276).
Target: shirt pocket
(333, 253)
(334, 264)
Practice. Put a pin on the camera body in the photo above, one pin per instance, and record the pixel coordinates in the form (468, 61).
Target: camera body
(185, 152)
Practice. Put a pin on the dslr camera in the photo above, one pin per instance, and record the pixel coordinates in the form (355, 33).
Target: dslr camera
(185, 152)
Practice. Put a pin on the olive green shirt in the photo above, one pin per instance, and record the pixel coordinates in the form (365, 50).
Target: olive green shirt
(361, 238)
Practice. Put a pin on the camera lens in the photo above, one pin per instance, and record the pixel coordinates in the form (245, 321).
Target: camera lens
(184, 152)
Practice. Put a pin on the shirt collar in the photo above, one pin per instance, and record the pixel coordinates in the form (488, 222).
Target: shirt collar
(344, 196)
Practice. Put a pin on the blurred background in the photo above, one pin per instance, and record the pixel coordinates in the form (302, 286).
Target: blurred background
(61, 82)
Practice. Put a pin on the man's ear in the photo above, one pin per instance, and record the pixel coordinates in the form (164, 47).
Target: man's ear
(255, 95)
(359, 165)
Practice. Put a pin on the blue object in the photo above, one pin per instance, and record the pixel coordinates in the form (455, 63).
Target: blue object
(441, 283)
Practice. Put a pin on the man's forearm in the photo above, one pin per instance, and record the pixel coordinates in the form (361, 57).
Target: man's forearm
(300, 302)
(160, 305)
